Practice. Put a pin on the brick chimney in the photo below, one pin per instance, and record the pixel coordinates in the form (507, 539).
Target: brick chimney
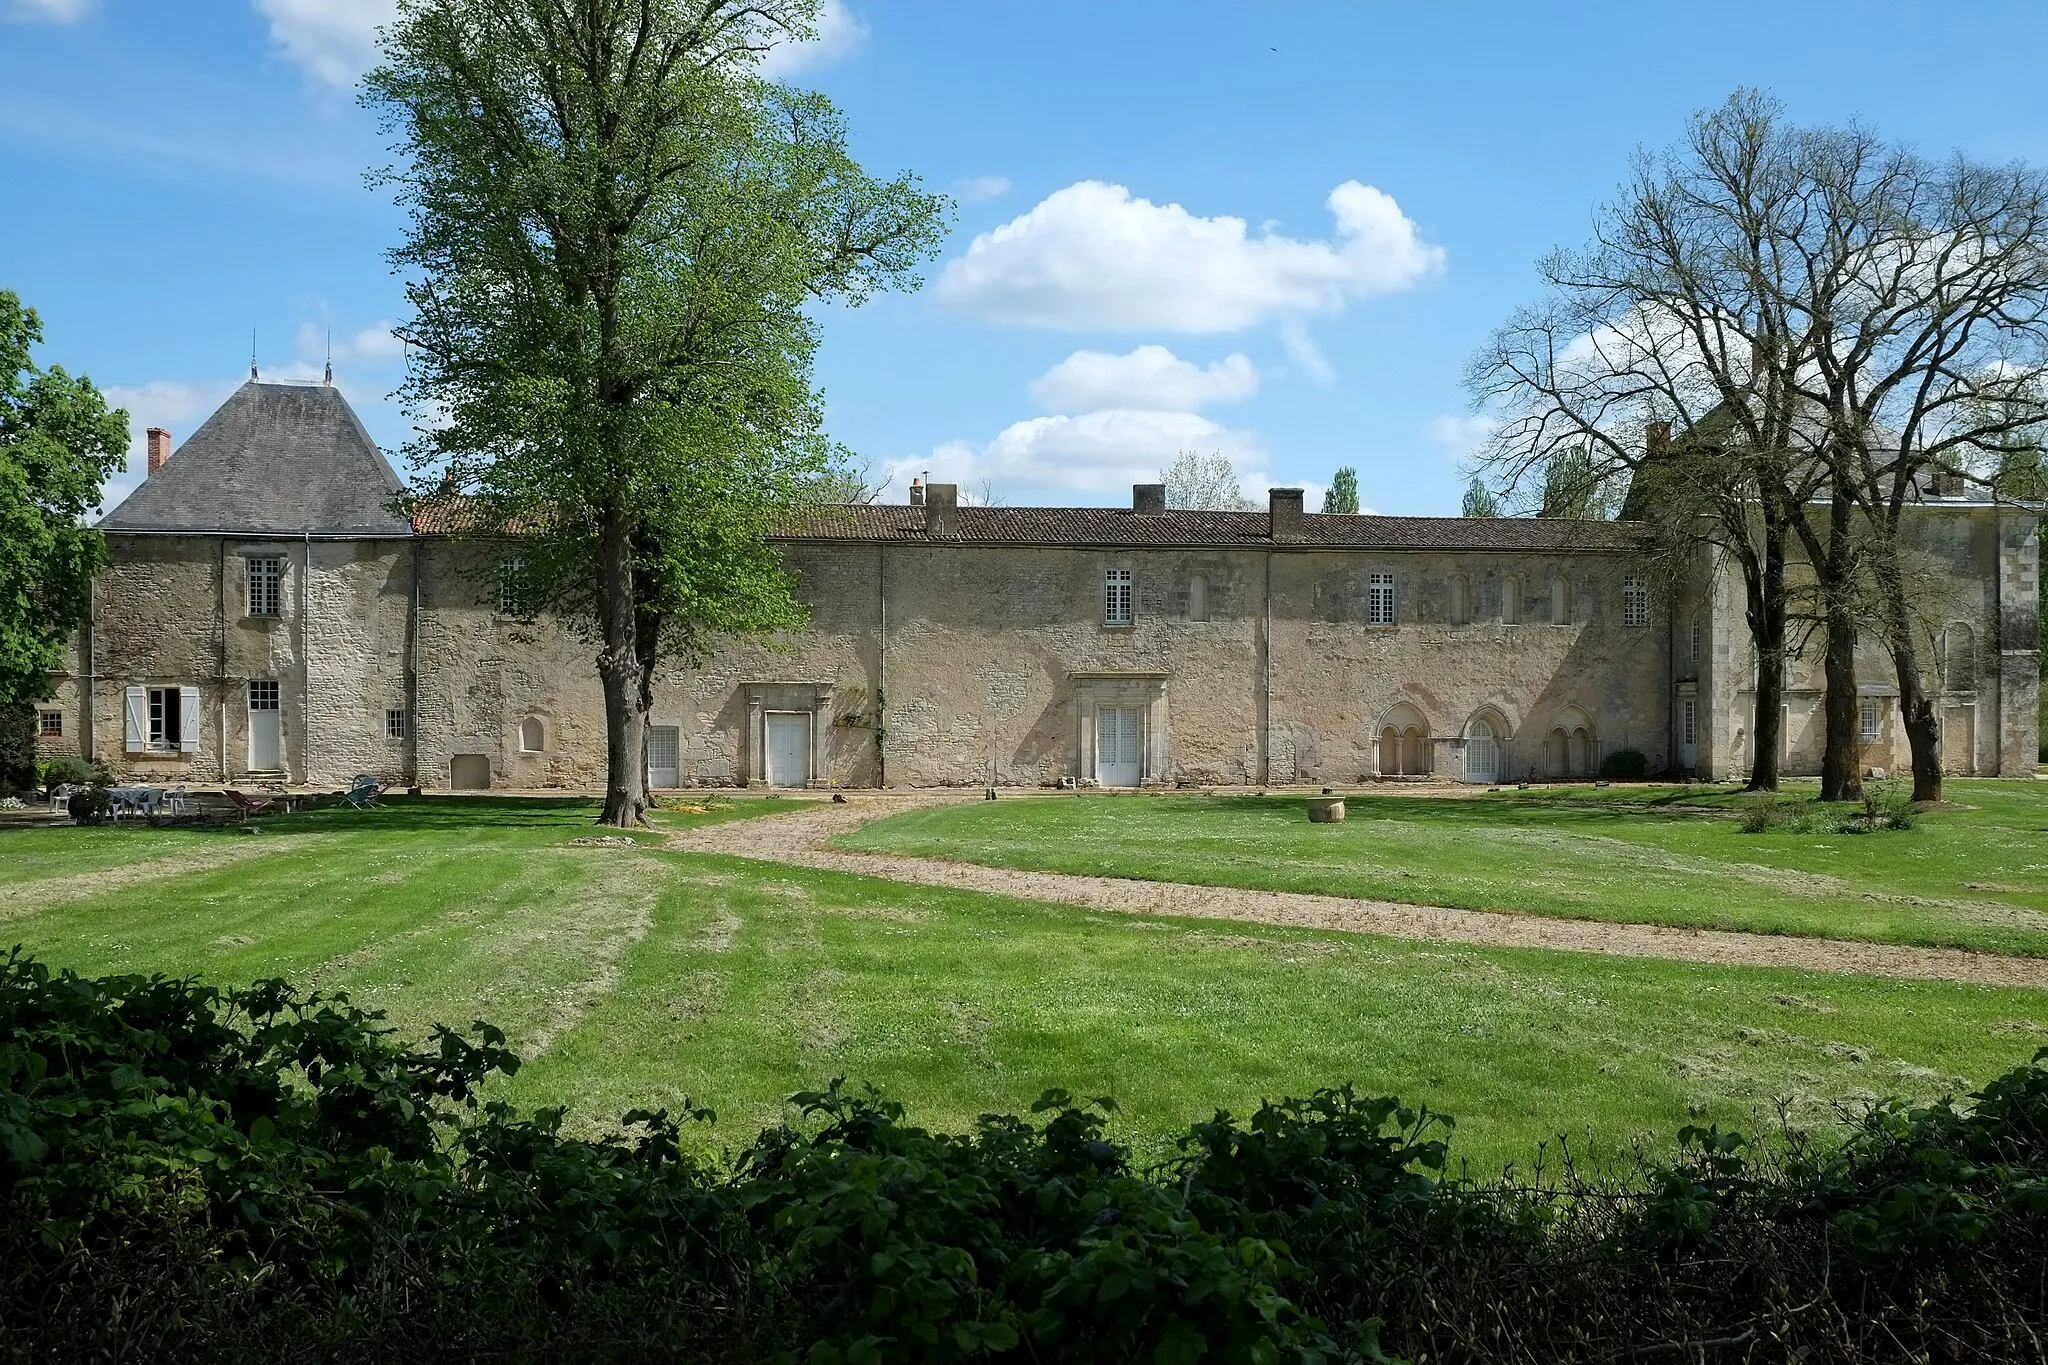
(942, 510)
(159, 449)
(1148, 497)
(916, 492)
(1284, 514)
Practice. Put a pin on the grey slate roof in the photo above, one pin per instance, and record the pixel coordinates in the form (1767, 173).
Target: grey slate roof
(275, 459)
(1112, 527)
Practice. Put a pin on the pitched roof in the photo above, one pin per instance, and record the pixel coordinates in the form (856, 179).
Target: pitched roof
(274, 459)
(1112, 527)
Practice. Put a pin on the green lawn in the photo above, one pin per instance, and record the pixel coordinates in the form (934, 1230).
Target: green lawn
(1971, 878)
(635, 976)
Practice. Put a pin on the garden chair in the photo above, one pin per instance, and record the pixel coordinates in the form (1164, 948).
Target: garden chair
(250, 805)
(362, 792)
(60, 797)
(176, 799)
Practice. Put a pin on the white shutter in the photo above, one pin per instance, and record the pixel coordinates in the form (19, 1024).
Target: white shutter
(188, 719)
(136, 717)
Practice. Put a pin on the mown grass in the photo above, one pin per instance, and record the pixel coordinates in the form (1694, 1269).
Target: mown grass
(1975, 877)
(636, 977)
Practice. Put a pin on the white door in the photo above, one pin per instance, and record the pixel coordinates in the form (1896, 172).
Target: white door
(1482, 756)
(266, 731)
(663, 754)
(1119, 746)
(789, 748)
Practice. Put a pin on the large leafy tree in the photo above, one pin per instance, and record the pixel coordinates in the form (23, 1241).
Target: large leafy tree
(617, 229)
(58, 445)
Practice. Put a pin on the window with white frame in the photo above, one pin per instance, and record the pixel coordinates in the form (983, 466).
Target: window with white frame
(266, 585)
(397, 723)
(1688, 720)
(1379, 599)
(1635, 601)
(166, 717)
(1692, 642)
(50, 725)
(512, 599)
(1116, 597)
(1869, 717)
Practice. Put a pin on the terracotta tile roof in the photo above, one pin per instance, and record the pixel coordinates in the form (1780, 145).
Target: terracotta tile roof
(1110, 527)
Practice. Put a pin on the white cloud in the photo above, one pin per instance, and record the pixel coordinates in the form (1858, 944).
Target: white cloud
(1091, 458)
(1092, 256)
(178, 407)
(335, 40)
(840, 32)
(49, 11)
(372, 344)
(1148, 377)
(1304, 354)
(976, 188)
(1463, 437)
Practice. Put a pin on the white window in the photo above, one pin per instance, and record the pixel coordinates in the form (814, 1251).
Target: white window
(1461, 600)
(1868, 717)
(162, 719)
(1692, 643)
(1511, 601)
(512, 599)
(1482, 754)
(1198, 597)
(266, 579)
(1560, 600)
(1379, 600)
(397, 723)
(1635, 602)
(50, 725)
(1116, 597)
(1688, 720)
(532, 736)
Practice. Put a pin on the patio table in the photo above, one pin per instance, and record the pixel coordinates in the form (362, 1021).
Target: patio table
(135, 800)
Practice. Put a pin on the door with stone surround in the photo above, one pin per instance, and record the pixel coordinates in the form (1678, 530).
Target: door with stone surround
(789, 748)
(664, 753)
(1119, 746)
(266, 729)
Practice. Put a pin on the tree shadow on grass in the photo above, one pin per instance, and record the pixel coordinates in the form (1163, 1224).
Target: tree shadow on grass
(1554, 809)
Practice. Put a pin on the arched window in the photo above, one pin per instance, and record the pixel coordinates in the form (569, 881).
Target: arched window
(532, 735)
(1511, 601)
(1482, 753)
(1461, 600)
(1198, 597)
(1582, 752)
(1415, 757)
(1557, 753)
(1560, 600)
(1390, 752)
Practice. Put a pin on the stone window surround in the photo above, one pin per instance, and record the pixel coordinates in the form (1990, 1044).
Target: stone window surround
(50, 724)
(1094, 689)
(286, 568)
(1119, 587)
(813, 698)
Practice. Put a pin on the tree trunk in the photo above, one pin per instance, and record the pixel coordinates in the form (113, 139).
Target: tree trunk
(1916, 708)
(619, 670)
(1767, 633)
(647, 646)
(1835, 570)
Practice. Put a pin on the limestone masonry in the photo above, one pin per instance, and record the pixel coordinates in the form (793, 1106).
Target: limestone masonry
(269, 616)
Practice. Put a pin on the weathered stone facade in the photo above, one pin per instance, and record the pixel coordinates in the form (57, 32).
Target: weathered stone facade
(977, 646)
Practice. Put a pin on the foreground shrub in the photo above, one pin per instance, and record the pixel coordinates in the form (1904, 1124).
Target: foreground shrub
(1625, 765)
(256, 1174)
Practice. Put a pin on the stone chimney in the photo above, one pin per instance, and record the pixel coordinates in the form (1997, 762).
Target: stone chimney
(916, 491)
(1284, 514)
(942, 510)
(159, 449)
(1148, 497)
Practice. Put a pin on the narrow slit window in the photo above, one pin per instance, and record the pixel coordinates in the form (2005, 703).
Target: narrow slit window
(1198, 597)
(1379, 600)
(1688, 720)
(1692, 643)
(266, 580)
(1511, 601)
(1461, 600)
(1635, 602)
(1116, 597)
(1560, 600)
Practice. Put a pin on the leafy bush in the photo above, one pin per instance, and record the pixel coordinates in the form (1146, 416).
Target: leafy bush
(257, 1174)
(1625, 765)
(67, 770)
(92, 806)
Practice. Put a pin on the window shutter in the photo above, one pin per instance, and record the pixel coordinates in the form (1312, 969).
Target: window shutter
(136, 720)
(188, 719)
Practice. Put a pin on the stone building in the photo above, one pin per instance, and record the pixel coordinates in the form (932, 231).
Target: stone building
(268, 615)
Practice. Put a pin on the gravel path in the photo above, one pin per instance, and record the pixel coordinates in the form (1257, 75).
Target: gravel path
(799, 837)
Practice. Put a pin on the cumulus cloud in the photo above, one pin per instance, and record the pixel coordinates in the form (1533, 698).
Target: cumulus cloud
(1462, 438)
(1092, 256)
(48, 11)
(976, 188)
(1148, 377)
(373, 344)
(334, 40)
(172, 404)
(840, 32)
(1091, 458)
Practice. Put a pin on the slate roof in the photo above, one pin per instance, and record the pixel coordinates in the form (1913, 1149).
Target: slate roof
(1112, 527)
(275, 459)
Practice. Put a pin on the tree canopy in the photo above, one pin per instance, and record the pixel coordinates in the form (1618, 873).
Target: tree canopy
(617, 231)
(1343, 495)
(59, 443)
(1203, 482)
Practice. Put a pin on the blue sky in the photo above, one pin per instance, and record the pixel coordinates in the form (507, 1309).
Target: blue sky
(1272, 229)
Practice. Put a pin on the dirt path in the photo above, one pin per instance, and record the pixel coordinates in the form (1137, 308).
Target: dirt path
(798, 838)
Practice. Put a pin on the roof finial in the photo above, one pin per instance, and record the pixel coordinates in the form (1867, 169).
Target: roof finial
(329, 380)
(252, 353)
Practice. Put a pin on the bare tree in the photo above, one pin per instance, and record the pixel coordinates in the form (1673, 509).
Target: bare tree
(1200, 482)
(1815, 318)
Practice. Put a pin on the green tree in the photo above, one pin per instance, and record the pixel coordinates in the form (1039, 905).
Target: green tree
(1479, 499)
(1343, 495)
(616, 230)
(58, 445)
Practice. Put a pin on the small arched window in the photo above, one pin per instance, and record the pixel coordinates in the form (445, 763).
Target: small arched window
(1461, 600)
(1198, 597)
(1560, 600)
(1511, 601)
(532, 735)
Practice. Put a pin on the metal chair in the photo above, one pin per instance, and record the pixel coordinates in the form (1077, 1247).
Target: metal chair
(362, 792)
